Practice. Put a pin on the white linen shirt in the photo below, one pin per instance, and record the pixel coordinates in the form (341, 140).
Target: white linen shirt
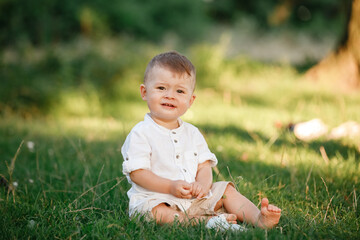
(172, 154)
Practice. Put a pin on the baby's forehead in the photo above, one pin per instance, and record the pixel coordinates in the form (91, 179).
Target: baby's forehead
(181, 75)
(176, 71)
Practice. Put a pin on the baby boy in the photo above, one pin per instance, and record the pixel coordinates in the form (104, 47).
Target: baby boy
(168, 163)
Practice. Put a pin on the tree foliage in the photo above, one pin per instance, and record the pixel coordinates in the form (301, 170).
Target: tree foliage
(42, 22)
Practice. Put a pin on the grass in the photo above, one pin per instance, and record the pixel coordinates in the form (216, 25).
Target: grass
(64, 166)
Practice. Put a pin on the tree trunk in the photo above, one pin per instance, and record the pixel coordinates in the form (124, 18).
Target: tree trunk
(342, 67)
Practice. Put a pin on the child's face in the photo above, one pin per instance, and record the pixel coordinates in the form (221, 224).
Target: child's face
(168, 96)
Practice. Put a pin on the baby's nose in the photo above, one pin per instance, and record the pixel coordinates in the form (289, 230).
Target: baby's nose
(170, 94)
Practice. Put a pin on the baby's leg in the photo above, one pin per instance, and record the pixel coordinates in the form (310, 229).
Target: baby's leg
(165, 214)
(246, 211)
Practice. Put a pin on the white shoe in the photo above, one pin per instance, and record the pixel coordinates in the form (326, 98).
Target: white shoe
(220, 223)
(237, 227)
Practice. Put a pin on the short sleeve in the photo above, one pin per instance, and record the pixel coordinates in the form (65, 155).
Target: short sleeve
(136, 152)
(203, 149)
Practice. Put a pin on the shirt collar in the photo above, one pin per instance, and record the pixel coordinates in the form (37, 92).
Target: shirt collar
(148, 118)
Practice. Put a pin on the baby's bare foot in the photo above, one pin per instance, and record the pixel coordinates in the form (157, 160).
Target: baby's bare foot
(269, 214)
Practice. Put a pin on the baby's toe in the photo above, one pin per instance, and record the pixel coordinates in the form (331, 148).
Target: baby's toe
(273, 208)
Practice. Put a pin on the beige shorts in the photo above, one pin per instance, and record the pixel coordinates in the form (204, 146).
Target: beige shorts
(206, 206)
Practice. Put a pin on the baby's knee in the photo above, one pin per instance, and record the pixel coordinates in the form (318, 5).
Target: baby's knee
(229, 189)
(164, 214)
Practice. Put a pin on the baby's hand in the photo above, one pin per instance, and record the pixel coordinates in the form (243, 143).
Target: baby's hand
(181, 189)
(198, 190)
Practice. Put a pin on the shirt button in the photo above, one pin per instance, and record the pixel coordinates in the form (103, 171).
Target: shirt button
(175, 141)
(173, 132)
(127, 159)
(184, 170)
(195, 154)
(177, 156)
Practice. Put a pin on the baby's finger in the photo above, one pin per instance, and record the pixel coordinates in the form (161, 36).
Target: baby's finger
(184, 192)
(191, 188)
(200, 195)
(188, 196)
(186, 186)
(196, 191)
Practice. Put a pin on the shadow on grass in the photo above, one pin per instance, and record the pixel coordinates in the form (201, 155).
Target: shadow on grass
(333, 148)
(239, 133)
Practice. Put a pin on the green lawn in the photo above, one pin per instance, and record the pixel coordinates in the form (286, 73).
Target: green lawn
(67, 170)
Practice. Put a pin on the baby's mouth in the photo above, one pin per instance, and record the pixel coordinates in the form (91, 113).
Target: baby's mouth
(167, 105)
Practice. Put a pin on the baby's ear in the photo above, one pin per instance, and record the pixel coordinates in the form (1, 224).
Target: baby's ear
(192, 99)
(143, 92)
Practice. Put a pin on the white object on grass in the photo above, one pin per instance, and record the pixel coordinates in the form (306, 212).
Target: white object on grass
(220, 223)
(310, 130)
(31, 146)
(349, 129)
(31, 224)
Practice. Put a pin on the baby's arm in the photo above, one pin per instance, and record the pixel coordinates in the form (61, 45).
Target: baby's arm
(203, 180)
(149, 180)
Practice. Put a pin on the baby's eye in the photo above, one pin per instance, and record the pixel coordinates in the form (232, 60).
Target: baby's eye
(180, 91)
(161, 88)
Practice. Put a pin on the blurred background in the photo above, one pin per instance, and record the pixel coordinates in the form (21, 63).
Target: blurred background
(85, 57)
